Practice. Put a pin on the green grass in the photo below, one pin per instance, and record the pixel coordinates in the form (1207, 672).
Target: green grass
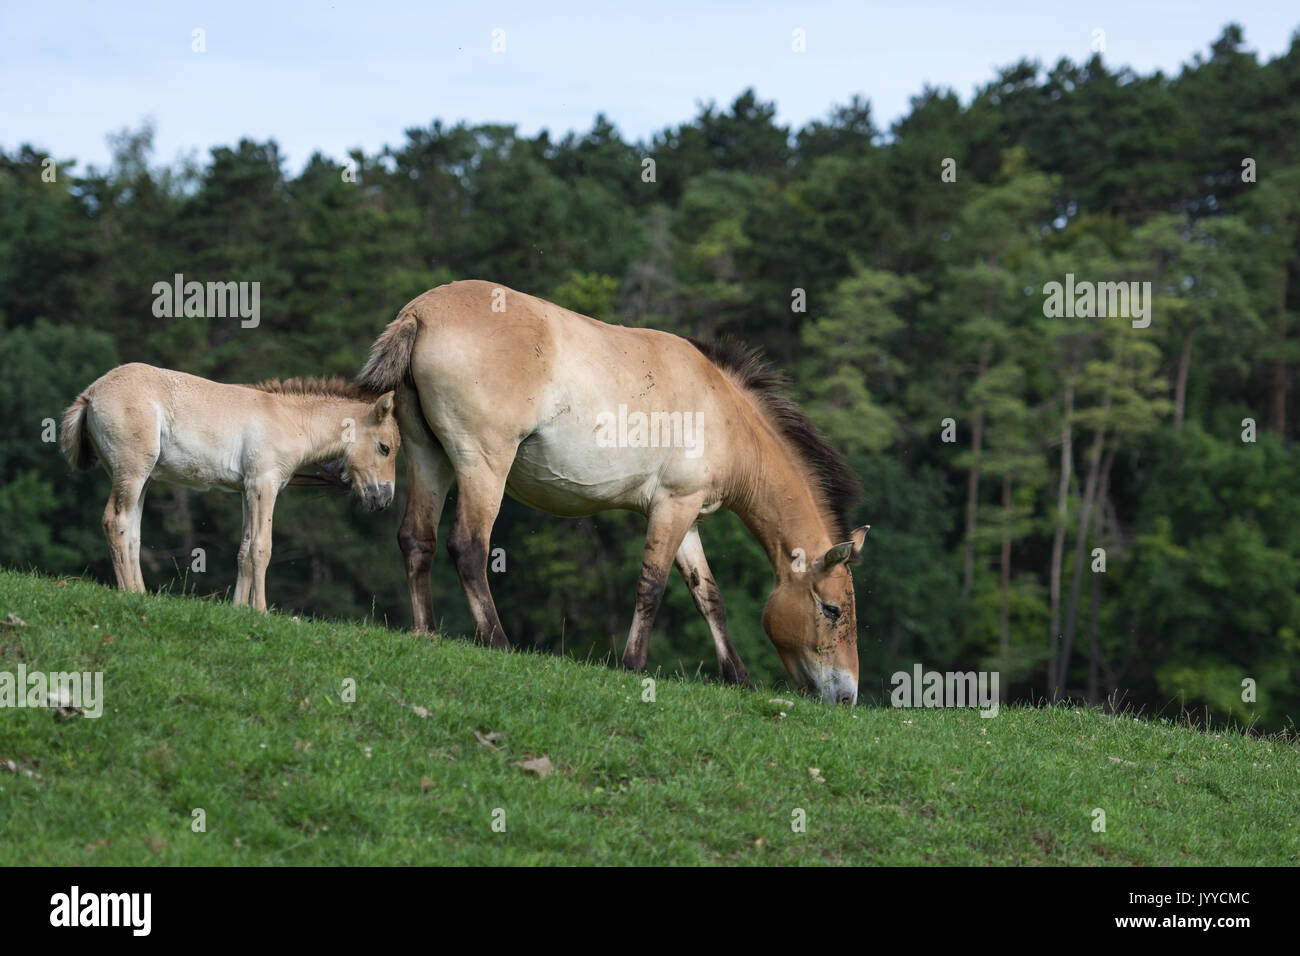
(240, 714)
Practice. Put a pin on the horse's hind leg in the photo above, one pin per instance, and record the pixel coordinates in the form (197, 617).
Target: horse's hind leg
(119, 538)
(127, 438)
(478, 502)
(667, 526)
(137, 514)
(122, 528)
(708, 600)
(429, 476)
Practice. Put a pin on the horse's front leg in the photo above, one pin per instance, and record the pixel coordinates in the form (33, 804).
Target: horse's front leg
(708, 601)
(260, 505)
(264, 503)
(668, 524)
(244, 578)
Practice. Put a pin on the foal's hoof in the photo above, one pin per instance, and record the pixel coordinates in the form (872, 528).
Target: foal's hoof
(736, 676)
(631, 664)
(498, 642)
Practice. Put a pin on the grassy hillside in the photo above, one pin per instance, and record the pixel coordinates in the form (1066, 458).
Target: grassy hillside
(218, 708)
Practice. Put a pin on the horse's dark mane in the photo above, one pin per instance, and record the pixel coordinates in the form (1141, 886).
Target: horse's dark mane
(832, 478)
(336, 386)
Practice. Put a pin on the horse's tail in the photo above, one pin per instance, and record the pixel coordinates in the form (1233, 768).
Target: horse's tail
(76, 447)
(390, 357)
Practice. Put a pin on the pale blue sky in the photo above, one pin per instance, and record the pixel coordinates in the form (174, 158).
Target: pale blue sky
(333, 76)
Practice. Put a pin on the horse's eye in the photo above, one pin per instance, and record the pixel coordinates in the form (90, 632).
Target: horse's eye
(384, 449)
(830, 610)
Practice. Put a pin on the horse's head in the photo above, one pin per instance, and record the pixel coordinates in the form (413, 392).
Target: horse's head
(371, 457)
(811, 619)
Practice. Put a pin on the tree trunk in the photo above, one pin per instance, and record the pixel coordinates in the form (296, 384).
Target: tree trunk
(1081, 547)
(1004, 629)
(1058, 538)
(1277, 398)
(1180, 390)
(973, 482)
(1099, 528)
(1277, 419)
(1093, 653)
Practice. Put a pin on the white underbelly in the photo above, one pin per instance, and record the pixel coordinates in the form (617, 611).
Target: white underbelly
(576, 482)
(563, 469)
(193, 464)
(200, 482)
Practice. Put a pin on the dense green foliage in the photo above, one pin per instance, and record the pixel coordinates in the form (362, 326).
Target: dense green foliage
(248, 718)
(923, 301)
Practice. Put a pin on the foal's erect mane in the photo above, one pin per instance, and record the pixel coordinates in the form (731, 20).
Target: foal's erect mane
(328, 474)
(834, 482)
(335, 386)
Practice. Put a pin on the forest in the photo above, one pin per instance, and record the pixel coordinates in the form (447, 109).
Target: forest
(1100, 507)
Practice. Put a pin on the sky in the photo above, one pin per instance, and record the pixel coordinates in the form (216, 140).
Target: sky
(342, 75)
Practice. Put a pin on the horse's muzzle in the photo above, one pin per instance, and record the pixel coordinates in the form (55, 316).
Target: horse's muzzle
(837, 687)
(378, 497)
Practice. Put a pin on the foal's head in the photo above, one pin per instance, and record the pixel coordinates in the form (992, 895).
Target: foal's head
(812, 620)
(370, 459)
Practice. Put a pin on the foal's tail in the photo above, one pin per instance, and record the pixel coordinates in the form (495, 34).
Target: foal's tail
(390, 357)
(76, 447)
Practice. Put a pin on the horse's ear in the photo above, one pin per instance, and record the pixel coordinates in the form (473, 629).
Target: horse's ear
(858, 537)
(384, 406)
(846, 552)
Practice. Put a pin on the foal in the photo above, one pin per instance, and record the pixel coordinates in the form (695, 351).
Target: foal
(149, 424)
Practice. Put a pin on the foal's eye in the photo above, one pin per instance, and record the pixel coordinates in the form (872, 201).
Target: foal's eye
(830, 610)
(384, 449)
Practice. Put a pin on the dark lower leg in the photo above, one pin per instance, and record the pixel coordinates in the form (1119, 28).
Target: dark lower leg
(704, 590)
(476, 513)
(418, 542)
(649, 593)
(665, 529)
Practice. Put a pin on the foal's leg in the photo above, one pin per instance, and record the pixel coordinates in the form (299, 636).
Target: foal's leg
(477, 504)
(121, 523)
(244, 579)
(137, 513)
(130, 458)
(667, 526)
(708, 600)
(428, 477)
(261, 500)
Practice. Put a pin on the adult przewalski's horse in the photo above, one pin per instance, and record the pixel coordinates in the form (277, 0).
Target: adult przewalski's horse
(153, 424)
(504, 393)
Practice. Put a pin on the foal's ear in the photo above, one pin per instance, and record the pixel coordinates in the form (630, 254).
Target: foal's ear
(384, 406)
(846, 552)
